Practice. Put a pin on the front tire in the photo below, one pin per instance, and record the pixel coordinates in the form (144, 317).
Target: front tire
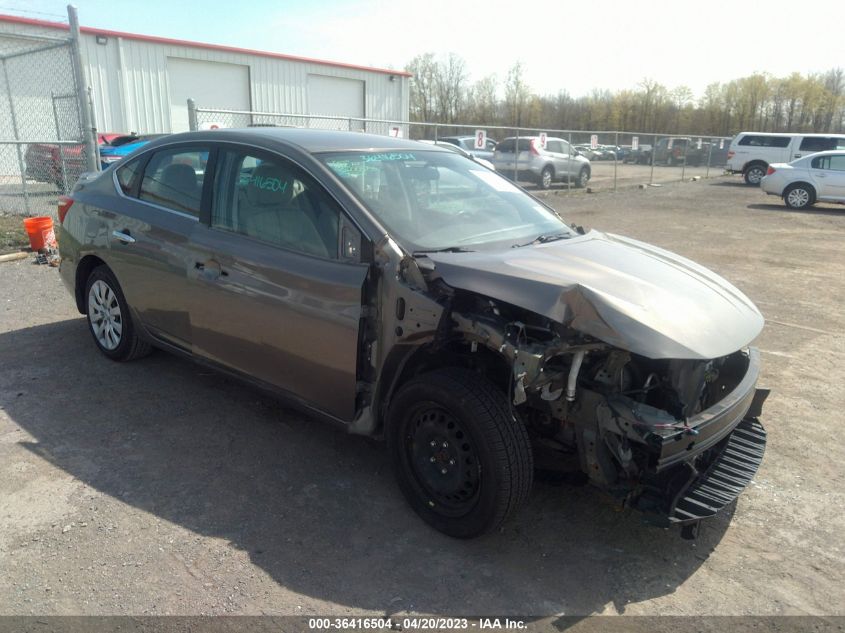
(799, 196)
(754, 174)
(583, 178)
(109, 319)
(462, 461)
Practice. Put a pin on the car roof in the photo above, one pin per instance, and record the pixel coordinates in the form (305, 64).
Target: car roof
(814, 135)
(827, 152)
(312, 141)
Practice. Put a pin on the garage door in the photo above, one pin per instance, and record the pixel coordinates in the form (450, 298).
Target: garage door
(335, 96)
(210, 84)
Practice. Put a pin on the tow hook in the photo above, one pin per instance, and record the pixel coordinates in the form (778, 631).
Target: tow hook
(689, 532)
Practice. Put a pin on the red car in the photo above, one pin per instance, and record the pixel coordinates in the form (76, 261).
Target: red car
(44, 160)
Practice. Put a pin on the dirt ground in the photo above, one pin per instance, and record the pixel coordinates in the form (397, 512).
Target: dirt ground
(157, 487)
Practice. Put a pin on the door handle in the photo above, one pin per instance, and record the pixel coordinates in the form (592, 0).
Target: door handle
(210, 269)
(797, 155)
(123, 236)
(821, 175)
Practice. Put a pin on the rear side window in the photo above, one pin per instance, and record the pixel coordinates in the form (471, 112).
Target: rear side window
(817, 144)
(173, 179)
(554, 146)
(127, 174)
(836, 163)
(752, 140)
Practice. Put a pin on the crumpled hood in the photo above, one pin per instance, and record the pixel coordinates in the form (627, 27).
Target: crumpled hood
(626, 293)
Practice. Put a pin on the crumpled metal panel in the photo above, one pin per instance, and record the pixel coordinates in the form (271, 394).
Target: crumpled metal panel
(621, 291)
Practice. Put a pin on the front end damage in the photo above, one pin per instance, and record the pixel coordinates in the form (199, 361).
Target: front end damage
(676, 438)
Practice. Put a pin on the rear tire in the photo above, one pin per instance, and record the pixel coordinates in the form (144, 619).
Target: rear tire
(754, 174)
(546, 178)
(461, 460)
(109, 318)
(799, 196)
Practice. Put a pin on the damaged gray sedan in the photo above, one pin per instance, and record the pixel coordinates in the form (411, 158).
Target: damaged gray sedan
(406, 292)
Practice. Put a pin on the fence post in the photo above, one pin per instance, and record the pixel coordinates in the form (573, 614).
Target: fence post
(569, 168)
(615, 158)
(516, 157)
(88, 129)
(653, 149)
(709, 155)
(192, 115)
(16, 134)
(61, 147)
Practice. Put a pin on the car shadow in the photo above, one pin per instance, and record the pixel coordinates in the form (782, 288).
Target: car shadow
(814, 210)
(315, 508)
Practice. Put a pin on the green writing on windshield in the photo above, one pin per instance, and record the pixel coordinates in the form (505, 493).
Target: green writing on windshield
(369, 158)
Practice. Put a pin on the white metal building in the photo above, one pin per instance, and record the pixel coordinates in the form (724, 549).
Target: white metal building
(141, 83)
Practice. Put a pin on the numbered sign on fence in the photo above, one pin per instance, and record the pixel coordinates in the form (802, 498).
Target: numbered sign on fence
(698, 144)
(543, 137)
(480, 139)
(635, 143)
(669, 144)
(396, 132)
(721, 143)
(211, 125)
(594, 141)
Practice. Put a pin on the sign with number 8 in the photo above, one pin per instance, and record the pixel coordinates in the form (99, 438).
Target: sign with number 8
(480, 139)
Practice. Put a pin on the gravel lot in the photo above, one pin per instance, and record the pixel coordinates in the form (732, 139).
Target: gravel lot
(157, 487)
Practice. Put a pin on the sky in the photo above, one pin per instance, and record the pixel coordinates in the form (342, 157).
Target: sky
(564, 45)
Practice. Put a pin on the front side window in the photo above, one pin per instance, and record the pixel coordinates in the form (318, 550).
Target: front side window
(173, 179)
(432, 200)
(271, 199)
(817, 144)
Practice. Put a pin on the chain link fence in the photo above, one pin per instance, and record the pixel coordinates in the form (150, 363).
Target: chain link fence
(42, 151)
(612, 159)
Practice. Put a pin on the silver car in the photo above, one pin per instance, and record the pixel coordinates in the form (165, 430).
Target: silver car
(530, 161)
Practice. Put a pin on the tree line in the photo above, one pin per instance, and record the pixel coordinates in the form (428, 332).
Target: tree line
(441, 92)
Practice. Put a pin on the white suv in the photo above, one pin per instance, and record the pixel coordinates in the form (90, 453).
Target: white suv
(751, 153)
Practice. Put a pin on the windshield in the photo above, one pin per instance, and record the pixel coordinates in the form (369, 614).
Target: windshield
(432, 200)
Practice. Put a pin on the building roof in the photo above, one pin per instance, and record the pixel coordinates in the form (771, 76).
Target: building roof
(215, 47)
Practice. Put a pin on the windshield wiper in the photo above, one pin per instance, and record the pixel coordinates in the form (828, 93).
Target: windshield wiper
(543, 238)
(448, 249)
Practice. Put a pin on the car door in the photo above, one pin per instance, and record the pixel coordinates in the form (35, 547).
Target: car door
(558, 158)
(273, 295)
(149, 253)
(828, 174)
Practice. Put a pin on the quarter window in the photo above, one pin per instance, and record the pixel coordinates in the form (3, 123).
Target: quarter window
(126, 175)
(173, 179)
(273, 200)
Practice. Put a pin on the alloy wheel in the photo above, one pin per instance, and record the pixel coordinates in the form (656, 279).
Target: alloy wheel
(104, 315)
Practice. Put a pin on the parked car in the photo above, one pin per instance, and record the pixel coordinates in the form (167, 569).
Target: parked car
(587, 152)
(815, 178)
(460, 150)
(751, 153)
(639, 156)
(401, 290)
(678, 151)
(123, 147)
(557, 162)
(467, 143)
(57, 164)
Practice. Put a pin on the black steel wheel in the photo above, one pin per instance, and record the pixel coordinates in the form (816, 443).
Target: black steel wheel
(462, 461)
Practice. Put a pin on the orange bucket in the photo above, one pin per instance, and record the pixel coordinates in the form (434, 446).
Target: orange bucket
(40, 232)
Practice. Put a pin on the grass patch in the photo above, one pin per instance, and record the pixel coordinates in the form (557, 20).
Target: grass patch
(13, 237)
